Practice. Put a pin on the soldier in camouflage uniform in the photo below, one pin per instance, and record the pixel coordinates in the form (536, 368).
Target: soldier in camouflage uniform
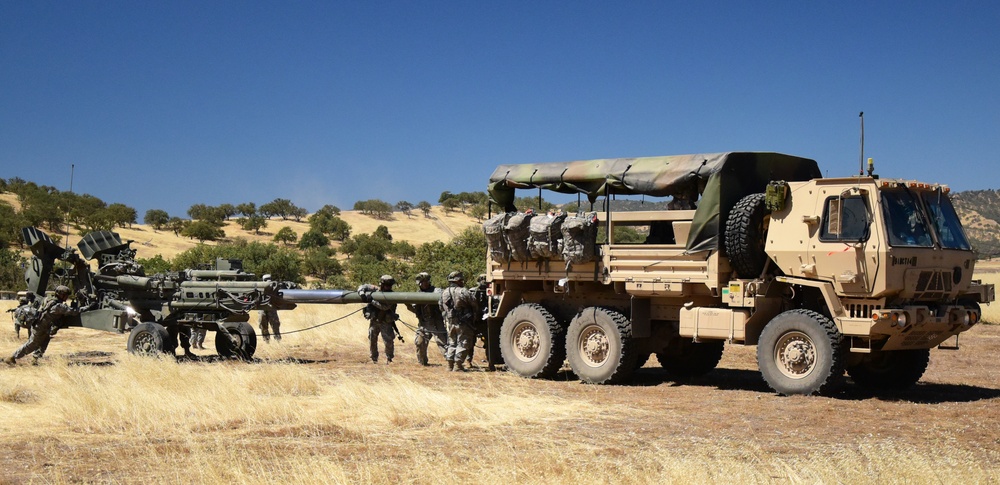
(382, 320)
(269, 317)
(53, 309)
(459, 309)
(483, 300)
(430, 324)
(25, 308)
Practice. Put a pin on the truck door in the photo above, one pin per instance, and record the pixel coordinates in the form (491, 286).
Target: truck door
(838, 249)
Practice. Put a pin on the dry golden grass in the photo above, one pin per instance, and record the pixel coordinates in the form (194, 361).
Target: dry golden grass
(312, 409)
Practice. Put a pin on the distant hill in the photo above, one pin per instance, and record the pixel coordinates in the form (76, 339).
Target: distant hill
(980, 213)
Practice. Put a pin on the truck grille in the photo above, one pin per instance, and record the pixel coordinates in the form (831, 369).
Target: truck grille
(933, 285)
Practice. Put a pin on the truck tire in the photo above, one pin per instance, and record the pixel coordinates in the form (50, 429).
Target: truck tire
(532, 342)
(147, 338)
(746, 229)
(801, 352)
(687, 359)
(599, 346)
(895, 370)
(239, 340)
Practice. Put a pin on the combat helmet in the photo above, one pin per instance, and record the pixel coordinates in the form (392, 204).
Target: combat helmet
(455, 277)
(386, 280)
(62, 290)
(423, 276)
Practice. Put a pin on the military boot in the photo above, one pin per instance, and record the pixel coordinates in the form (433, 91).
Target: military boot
(451, 365)
(460, 367)
(10, 361)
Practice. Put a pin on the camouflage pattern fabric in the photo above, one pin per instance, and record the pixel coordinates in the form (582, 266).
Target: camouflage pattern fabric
(269, 318)
(430, 327)
(52, 310)
(459, 309)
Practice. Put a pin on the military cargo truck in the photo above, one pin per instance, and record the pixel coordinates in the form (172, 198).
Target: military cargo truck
(860, 274)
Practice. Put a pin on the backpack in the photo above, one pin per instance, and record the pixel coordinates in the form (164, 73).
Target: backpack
(545, 235)
(497, 245)
(579, 234)
(516, 233)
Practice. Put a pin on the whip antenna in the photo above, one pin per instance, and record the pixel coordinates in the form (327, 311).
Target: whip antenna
(861, 161)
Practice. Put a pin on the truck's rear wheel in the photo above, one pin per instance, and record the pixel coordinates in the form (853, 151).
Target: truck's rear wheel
(687, 359)
(897, 369)
(599, 346)
(801, 352)
(746, 229)
(147, 339)
(532, 342)
(238, 340)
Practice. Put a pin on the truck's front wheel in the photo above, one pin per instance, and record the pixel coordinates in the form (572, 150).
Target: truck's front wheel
(599, 346)
(897, 369)
(532, 342)
(801, 352)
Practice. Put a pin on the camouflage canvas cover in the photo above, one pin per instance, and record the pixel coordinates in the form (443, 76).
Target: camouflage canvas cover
(721, 179)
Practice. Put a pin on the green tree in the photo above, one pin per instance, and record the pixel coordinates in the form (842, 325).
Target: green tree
(121, 215)
(228, 210)
(424, 207)
(11, 270)
(177, 225)
(403, 250)
(451, 204)
(203, 231)
(286, 236)
(382, 232)
(154, 265)
(253, 223)
(247, 209)
(156, 218)
(405, 207)
(313, 239)
(319, 263)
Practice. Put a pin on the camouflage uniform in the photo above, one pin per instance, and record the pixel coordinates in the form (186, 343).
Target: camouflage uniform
(430, 324)
(22, 314)
(382, 320)
(270, 317)
(459, 309)
(53, 309)
(198, 337)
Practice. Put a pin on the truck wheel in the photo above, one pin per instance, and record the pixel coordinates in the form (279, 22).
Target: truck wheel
(599, 346)
(896, 369)
(147, 339)
(746, 229)
(801, 352)
(532, 342)
(688, 359)
(238, 340)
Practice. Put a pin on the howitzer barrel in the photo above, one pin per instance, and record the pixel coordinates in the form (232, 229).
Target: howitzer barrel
(346, 297)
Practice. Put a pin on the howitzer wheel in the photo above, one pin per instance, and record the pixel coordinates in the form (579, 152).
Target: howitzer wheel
(599, 346)
(896, 369)
(238, 340)
(147, 339)
(685, 359)
(532, 342)
(801, 352)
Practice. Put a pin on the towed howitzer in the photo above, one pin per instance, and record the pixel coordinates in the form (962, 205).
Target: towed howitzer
(157, 309)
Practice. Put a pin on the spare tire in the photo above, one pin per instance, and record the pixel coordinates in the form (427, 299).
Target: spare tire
(746, 229)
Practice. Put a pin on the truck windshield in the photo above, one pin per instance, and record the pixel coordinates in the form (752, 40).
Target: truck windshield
(945, 221)
(905, 221)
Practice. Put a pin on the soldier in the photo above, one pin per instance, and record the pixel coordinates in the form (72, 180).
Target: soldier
(483, 300)
(24, 312)
(53, 309)
(382, 320)
(459, 309)
(270, 317)
(430, 325)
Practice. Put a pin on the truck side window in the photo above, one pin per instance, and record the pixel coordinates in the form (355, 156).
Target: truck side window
(845, 219)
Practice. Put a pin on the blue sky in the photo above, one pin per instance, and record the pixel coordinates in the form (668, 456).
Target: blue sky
(167, 104)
